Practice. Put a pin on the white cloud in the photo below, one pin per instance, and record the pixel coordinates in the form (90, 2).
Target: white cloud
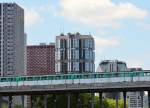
(102, 44)
(99, 12)
(106, 42)
(32, 17)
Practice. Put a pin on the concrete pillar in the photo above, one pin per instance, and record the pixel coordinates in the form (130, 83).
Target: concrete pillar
(22, 99)
(100, 100)
(32, 101)
(117, 99)
(78, 101)
(124, 99)
(10, 102)
(69, 101)
(45, 101)
(55, 101)
(148, 99)
(0, 101)
(92, 100)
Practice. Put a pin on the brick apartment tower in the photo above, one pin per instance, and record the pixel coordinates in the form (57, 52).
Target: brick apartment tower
(41, 59)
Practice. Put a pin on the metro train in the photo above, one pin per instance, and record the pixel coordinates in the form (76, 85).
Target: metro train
(96, 77)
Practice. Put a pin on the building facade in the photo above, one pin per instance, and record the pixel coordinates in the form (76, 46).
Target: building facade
(74, 53)
(12, 42)
(41, 59)
(112, 66)
(136, 99)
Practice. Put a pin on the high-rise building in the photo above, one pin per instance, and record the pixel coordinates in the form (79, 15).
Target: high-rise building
(41, 59)
(112, 66)
(74, 53)
(12, 44)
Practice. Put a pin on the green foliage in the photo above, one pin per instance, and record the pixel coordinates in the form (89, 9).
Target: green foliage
(84, 99)
(18, 106)
(111, 103)
(38, 101)
(4, 106)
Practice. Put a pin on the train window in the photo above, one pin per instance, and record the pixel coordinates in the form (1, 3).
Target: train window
(12, 79)
(36, 78)
(29, 78)
(102, 75)
(63, 77)
(23, 78)
(95, 75)
(3, 79)
(80, 76)
(9, 79)
(57, 77)
(68, 77)
(43, 78)
(49, 77)
(75, 76)
(52, 77)
(84, 76)
(92, 76)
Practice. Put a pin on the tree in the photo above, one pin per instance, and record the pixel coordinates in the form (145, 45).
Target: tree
(84, 99)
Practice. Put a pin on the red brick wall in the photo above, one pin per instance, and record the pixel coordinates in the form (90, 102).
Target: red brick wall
(40, 59)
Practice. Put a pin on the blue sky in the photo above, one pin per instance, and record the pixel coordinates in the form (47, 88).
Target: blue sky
(121, 28)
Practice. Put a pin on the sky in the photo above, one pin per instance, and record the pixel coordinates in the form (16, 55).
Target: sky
(121, 28)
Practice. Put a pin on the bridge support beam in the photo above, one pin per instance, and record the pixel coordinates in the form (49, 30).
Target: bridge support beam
(54, 101)
(32, 102)
(45, 101)
(100, 100)
(0, 101)
(117, 99)
(22, 99)
(69, 101)
(10, 102)
(78, 101)
(148, 99)
(124, 99)
(92, 100)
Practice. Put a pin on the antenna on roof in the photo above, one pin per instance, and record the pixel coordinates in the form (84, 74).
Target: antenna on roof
(63, 29)
(60, 29)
